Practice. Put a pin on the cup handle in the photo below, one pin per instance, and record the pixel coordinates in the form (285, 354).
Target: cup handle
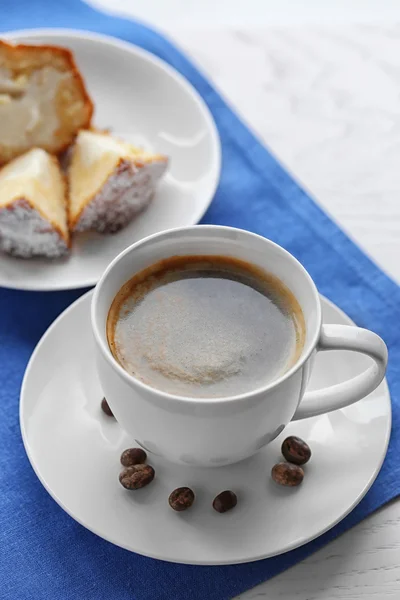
(346, 337)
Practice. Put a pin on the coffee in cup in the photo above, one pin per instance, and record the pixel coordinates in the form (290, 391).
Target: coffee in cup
(205, 326)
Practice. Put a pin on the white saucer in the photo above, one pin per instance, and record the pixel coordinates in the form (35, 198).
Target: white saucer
(128, 85)
(74, 449)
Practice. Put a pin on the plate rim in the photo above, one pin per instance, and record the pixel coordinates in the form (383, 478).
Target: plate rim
(83, 34)
(296, 543)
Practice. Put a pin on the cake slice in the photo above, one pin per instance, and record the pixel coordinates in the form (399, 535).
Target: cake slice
(43, 99)
(110, 182)
(33, 217)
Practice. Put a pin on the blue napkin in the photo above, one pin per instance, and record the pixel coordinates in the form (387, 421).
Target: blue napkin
(43, 552)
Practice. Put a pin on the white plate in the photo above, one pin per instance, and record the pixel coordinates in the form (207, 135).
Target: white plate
(74, 449)
(145, 101)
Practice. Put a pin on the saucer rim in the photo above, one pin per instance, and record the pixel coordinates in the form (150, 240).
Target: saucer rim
(295, 544)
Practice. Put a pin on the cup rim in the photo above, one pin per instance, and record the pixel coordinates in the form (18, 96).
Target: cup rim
(148, 389)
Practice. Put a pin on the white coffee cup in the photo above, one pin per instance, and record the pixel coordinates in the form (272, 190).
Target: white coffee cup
(220, 431)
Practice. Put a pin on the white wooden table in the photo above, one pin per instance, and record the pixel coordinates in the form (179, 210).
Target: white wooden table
(326, 100)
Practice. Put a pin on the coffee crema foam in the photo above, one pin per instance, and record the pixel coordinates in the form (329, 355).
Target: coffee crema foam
(205, 326)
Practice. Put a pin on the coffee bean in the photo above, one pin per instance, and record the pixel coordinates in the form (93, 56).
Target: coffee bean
(225, 501)
(287, 474)
(133, 456)
(181, 499)
(295, 450)
(106, 409)
(136, 476)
